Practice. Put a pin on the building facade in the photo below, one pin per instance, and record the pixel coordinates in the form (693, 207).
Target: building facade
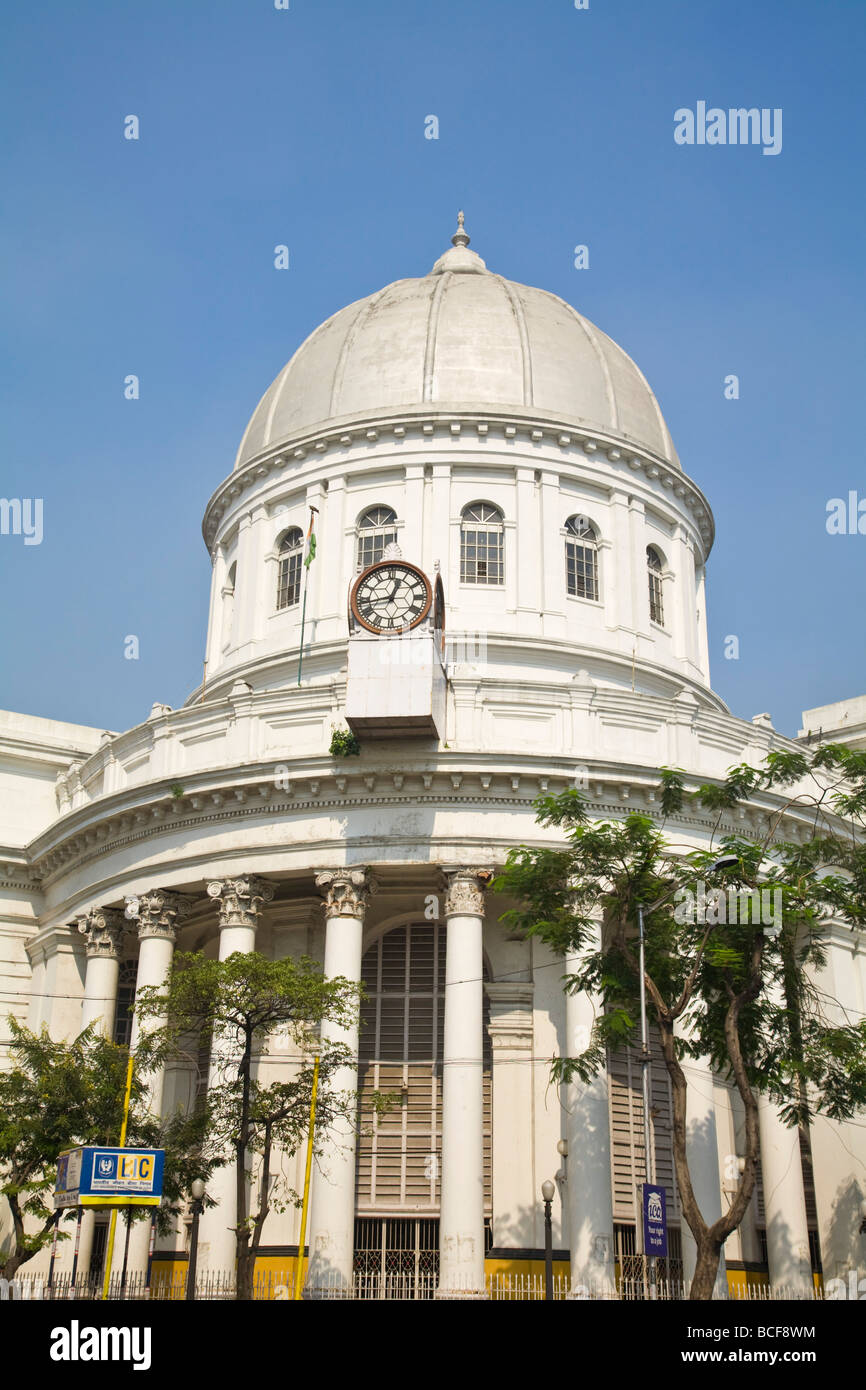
(490, 472)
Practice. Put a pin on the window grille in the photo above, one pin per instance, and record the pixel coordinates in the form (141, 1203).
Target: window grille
(376, 529)
(654, 570)
(291, 554)
(482, 545)
(632, 1269)
(581, 558)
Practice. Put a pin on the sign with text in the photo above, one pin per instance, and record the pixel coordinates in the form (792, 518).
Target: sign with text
(103, 1177)
(655, 1222)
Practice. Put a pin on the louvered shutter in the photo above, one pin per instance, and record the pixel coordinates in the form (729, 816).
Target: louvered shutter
(627, 1131)
(399, 1153)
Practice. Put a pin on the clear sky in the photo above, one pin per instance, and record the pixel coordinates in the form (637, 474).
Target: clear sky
(305, 126)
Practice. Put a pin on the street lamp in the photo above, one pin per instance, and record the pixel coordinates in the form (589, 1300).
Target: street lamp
(196, 1188)
(727, 861)
(548, 1191)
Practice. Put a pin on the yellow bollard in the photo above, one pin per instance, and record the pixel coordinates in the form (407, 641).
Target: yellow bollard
(299, 1267)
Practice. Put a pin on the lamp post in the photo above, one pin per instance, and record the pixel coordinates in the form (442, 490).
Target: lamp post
(727, 861)
(197, 1190)
(547, 1191)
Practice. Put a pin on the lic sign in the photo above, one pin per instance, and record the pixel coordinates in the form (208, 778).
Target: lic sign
(655, 1225)
(101, 1177)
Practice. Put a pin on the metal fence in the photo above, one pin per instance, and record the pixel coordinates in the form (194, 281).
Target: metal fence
(279, 1286)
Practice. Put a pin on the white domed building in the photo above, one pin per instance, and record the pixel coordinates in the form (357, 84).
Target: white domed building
(507, 598)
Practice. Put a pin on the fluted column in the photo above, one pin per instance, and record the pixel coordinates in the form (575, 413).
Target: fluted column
(158, 914)
(103, 929)
(332, 1224)
(587, 1193)
(461, 1223)
(784, 1201)
(241, 902)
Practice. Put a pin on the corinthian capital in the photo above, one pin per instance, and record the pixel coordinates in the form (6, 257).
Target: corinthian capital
(159, 913)
(241, 900)
(103, 928)
(345, 891)
(464, 895)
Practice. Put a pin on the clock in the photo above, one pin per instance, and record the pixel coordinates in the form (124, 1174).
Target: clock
(391, 596)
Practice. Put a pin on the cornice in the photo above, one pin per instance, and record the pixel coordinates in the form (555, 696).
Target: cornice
(570, 437)
(242, 794)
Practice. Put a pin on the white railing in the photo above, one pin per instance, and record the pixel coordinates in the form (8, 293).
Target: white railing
(279, 1286)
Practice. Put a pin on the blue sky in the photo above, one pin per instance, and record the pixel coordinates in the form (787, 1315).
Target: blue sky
(306, 127)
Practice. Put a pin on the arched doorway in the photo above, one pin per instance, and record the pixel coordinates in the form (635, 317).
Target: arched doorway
(399, 1151)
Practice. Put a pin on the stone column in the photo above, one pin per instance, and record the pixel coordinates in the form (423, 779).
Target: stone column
(103, 929)
(461, 1225)
(332, 1222)
(702, 1152)
(158, 914)
(587, 1194)
(784, 1201)
(241, 902)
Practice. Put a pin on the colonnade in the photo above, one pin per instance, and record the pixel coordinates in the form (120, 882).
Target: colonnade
(241, 901)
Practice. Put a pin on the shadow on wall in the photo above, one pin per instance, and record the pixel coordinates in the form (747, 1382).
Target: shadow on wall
(845, 1246)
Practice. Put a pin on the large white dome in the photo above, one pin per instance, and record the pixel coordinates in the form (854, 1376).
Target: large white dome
(459, 336)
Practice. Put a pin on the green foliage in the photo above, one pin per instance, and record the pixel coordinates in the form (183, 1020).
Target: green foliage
(702, 971)
(246, 1005)
(723, 981)
(344, 744)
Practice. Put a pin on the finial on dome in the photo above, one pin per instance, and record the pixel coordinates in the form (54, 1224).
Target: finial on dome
(461, 236)
(458, 259)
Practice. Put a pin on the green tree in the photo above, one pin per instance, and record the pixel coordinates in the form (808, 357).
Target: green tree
(58, 1095)
(240, 1005)
(721, 982)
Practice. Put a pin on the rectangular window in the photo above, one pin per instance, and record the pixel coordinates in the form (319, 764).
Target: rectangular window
(371, 546)
(657, 612)
(581, 571)
(482, 559)
(289, 581)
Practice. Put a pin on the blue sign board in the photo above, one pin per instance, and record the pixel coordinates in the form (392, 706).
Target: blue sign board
(655, 1221)
(101, 1177)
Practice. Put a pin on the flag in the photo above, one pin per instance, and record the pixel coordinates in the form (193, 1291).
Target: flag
(311, 540)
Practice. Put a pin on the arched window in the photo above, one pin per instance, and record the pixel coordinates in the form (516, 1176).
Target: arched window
(482, 545)
(290, 553)
(581, 558)
(229, 604)
(377, 527)
(654, 571)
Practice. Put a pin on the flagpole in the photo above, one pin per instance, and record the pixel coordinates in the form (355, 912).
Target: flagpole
(311, 550)
(303, 620)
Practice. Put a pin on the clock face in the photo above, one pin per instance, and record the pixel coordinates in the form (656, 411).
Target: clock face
(391, 596)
